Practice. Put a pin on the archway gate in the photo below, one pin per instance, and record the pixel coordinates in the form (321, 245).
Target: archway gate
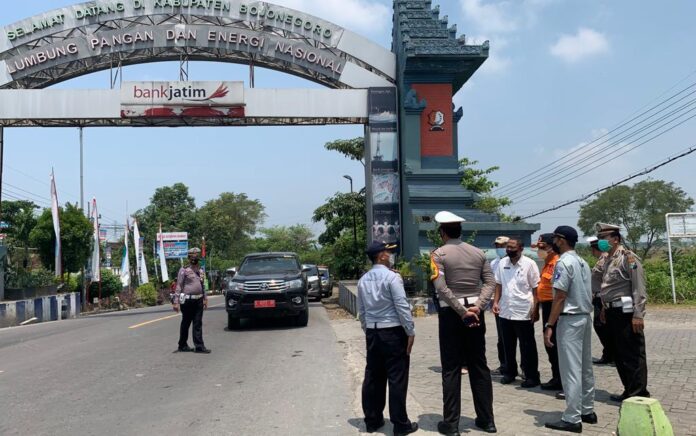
(403, 97)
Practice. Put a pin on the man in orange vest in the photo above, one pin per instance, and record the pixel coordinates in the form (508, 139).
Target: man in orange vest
(548, 255)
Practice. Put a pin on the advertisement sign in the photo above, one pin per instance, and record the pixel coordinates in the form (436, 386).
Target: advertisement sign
(182, 99)
(382, 171)
(175, 245)
(681, 225)
(436, 120)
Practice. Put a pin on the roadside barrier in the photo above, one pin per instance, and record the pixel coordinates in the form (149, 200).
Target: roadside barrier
(50, 308)
(643, 416)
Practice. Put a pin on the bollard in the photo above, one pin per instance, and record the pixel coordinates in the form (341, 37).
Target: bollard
(643, 416)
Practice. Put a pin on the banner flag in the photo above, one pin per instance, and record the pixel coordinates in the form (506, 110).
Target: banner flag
(56, 225)
(96, 263)
(162, 260)
(140, 264)
(125, 264)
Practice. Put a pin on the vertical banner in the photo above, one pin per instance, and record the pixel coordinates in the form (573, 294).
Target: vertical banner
(139, 255)
(125, 263)
(382, 169)
(437, 138)
(162, 260)
(56, 225)
(95, 261)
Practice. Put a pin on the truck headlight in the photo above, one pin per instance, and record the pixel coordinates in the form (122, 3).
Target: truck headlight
(297, 283)
(236, 286)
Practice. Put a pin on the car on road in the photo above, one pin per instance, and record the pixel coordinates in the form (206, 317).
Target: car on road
(326, 281)
(313, 281)
(268, 285)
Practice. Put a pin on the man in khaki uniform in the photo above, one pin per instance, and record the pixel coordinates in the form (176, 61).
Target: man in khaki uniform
(624, 296)
(457, 272)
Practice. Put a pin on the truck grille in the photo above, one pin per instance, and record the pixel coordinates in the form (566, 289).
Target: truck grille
(266, 286)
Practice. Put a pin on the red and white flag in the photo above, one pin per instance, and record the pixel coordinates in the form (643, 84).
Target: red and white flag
(56, 225)
(96, 263)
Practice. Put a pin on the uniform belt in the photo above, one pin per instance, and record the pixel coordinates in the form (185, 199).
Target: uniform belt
(465, 301)
(572, 314)
(613, 304)
(193, 296)
(382, 325)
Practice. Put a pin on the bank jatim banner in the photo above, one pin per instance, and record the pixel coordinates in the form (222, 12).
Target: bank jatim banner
(437, 119)
(182, 99)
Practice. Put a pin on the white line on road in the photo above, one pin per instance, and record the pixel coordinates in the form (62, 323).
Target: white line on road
(165, 317)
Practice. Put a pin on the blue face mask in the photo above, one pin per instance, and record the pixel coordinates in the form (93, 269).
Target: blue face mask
(604, 246)
(501, 252)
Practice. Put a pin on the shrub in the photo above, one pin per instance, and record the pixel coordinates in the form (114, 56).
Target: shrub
(22, 278)
(147, 294)
(110, 285)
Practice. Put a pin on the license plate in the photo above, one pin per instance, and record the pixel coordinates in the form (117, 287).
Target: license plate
(262, 304)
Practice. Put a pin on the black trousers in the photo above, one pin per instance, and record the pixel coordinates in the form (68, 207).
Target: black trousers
(552, 352)
(501, 347)
(191, 311)
(630, 359)
(522, 331)
(387, 361)
(602, 332)
(458, 340)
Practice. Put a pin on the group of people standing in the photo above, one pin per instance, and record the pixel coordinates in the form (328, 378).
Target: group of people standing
(563, 294)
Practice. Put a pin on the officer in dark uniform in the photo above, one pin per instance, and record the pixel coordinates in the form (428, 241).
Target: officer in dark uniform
(191, 299)
(624, 296)
(599, 327)
(457, 272)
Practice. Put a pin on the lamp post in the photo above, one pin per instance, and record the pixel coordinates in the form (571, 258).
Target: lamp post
(355, 228)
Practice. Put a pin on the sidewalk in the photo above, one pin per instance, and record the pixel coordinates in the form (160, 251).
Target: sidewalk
(671, 351)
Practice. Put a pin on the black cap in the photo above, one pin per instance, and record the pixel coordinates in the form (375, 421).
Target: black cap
(546, 238)
(379, 246)
(566, 232)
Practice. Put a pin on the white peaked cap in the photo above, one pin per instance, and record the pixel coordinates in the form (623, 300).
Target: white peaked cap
(592, 239)
(445, 217)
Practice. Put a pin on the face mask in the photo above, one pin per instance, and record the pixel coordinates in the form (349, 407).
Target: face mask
(542, 254)
(604, 246)
(500, 252)
(392, 259)
(512, 254)
(556, 249)
(194, 261)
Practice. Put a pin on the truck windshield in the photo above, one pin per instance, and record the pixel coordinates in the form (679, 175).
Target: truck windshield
(273, 265)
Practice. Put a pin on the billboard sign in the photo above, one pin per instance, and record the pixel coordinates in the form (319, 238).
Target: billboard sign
(681, 225)
(175, 245)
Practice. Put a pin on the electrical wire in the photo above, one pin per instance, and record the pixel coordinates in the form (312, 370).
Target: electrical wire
(620, 182)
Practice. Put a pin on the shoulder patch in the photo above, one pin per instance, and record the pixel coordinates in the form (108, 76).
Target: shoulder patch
(434, 270)
(557, 274)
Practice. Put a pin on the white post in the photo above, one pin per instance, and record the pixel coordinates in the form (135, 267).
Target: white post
(82, 173)
(671, 266)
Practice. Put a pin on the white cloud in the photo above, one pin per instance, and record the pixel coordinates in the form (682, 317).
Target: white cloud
(584, 44)
(363, 16)
(489, 17)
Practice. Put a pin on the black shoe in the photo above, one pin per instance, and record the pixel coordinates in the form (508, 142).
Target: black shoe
(529, 383)
(506, 380)
(552, 385)
(590, 418)
(618, 398)
(373, 428)
(202, 350)
(564, 426)
(488, 427)
(185, 349)
(414, 428)
(602, 361)
(446, 429)
(560, 395)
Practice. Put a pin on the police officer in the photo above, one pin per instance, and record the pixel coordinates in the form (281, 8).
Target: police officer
(571, 310)
(385, 316)
(191, 299)
(457, 272)
(600, 328)
(623, 298)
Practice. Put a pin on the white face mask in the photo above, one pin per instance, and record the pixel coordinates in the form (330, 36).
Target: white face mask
(392, 259)
(542, 254)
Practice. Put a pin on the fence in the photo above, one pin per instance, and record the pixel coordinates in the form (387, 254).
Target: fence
(50, 308)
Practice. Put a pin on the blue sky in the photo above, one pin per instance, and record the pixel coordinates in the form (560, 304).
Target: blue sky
(560, 74)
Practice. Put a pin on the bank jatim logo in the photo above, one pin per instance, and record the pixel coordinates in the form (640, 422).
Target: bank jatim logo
(436, 119)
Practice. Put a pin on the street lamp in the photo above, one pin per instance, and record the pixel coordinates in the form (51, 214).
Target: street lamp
(355, 228)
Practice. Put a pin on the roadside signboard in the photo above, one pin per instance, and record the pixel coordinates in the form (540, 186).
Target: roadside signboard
(679, 225)
(175, 245)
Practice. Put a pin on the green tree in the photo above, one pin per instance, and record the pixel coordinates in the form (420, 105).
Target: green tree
(640, 209)
(297, 238)
(337, 214)
(173, 207)
(478, 181)
(354, 148)
(229, 222)
(75, 236)
(20, 216)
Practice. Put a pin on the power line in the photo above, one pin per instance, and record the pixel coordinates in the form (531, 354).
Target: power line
(624, 180)
(536, 172)
(570, 176)
(606, 149)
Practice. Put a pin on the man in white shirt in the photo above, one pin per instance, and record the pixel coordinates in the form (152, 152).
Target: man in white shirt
(500, 244)
(517, 278)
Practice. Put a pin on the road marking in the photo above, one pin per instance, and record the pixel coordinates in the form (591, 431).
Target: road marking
(165, 317)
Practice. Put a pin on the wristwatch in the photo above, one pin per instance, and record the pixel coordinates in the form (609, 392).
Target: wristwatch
(547, 325)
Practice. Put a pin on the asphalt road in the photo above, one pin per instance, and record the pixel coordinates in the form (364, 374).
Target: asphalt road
(118, 374)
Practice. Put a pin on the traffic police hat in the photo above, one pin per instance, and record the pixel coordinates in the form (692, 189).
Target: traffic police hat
(593, 241)
(194, 250)
(602, 228)
(445, 217)
(501, 240)
(566, 232)
(379, 246)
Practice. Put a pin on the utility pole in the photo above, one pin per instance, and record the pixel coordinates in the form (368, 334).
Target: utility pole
(355, 230)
